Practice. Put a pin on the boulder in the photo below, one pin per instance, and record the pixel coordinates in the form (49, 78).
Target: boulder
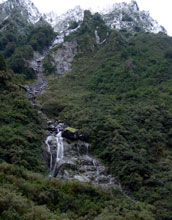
(70, 133)
(82, 178)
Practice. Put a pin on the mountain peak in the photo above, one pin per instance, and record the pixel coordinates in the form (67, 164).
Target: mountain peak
(2, 1)
(126, 16)
(62, 22)
(25, 7)
(129, 17)
(134, 5)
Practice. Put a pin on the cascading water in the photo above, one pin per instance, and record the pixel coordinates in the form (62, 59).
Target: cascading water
(71, 158)
(49, 138)
(59, 151)
(60, 147)
(68, 159)
(55, 148)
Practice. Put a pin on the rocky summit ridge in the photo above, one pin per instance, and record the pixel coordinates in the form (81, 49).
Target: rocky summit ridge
(25, 8)
(130, 17)
(120, 16)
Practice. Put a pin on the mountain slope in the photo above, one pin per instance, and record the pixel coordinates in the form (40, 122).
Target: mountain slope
(118, 94)
(129, 17)
(62, 23)
(120, 16)
(21, 37)
(117, 91)
(20, 125)
(26, 8)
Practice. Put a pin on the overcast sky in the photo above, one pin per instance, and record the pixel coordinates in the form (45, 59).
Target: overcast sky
(160, 10)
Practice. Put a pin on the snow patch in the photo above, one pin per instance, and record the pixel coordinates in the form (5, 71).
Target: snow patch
(128, 16)
(61, 23)
(117, 16)
(2, 1)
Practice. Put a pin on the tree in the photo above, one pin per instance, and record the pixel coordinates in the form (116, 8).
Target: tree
(3, 66)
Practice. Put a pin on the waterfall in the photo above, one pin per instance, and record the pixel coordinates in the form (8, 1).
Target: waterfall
(59, 151)
(49, 138)
(87, 148)
(59, 148)
(77, 162)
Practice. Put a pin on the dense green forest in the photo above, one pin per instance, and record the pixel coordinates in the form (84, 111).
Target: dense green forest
(18, 47)
(20, 125)
(119, 95)
(26, 191)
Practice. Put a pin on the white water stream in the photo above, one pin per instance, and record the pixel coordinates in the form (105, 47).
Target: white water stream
(55, 149)
(75, 161)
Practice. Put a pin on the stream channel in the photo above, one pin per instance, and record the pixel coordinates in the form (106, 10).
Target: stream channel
(66, 151)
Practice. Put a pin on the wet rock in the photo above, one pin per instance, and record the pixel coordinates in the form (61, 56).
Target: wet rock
(81, 178)
(83, 138)
(49, 122)
(63, 56)
(88, 168)
(68, 164)
(76, 161)
(101, 170)
(88, 161)
(70, 133)
(103, 179)
(52, 128)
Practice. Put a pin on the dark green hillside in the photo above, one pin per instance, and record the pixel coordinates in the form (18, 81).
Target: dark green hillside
(19, 40)
(119, 95)
(21, 132)
(25, 195)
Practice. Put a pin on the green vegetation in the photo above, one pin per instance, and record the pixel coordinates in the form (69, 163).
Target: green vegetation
(71, 129)
(18, 47)
(25, 195)
(2, 64)
(21, 131)
(119, 95)
(41, 37)
(48, 67)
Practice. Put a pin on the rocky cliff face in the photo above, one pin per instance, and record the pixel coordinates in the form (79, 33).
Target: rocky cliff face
(63, 22)
(129, 17)
(68, 157)
(118, 16)
(62, 56)
(24, 8)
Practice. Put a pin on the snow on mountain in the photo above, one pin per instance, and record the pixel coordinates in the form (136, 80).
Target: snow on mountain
(61, 23)
(25, 7)
(117, 16)
(129, 17)
(51, 18)
(2, 1)
(34, 14)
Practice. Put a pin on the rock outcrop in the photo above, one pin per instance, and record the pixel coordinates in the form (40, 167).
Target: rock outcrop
(62, 56)
(69, 158)
(129, 17)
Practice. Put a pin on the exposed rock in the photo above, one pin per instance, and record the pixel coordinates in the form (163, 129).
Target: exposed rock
(69, 157)
(62, 23)
(62, 56)
(24, 8)
(70, 133)
(81, 178)
(129, 17)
